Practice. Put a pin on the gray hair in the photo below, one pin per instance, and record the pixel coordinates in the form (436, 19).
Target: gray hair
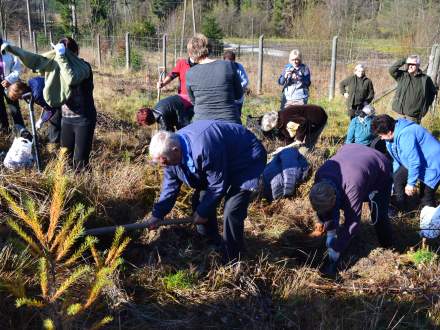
(322, 197)
(295, 53)
(414, 59)
(269, 121)
(162, 144)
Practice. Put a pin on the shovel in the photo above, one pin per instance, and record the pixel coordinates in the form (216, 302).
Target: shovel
(30, 101)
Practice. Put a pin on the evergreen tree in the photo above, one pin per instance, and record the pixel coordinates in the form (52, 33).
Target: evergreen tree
(211, 29)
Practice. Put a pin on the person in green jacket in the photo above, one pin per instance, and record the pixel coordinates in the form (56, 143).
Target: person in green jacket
(357, 90)
(415, 90)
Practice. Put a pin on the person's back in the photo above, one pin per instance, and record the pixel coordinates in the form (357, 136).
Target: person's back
(213, 88)
(359, 131)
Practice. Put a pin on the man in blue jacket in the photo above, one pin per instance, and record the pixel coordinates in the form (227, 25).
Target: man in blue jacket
(217, 159)
(416, 155)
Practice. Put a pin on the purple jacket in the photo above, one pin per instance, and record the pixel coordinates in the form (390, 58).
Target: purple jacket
(355, 171)
(216, 155)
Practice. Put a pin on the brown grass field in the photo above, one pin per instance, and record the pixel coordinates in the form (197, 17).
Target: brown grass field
(170, 277)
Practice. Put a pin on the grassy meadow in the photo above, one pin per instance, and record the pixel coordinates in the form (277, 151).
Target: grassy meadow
(170, 278)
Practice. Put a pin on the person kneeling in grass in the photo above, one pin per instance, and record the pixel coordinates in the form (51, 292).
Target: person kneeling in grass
(416, 157)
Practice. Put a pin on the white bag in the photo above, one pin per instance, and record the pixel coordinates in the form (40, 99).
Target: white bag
(430, 222)
(19, 155)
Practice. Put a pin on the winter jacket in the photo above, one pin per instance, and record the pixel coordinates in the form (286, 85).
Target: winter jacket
(283, 173)
(37, 86)
(11, 68)
(296, 89)
(354, 171)
(180, 70)
(309, 117)
(414, 94)
(360, 91)
(416, 149)
(216, 155)
(359, 130)
(61, 72)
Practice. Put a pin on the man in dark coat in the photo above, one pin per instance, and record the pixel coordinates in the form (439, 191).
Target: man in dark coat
(357, 90)
(297, 124)
(415, 90)
(354, 175)
(217, 159)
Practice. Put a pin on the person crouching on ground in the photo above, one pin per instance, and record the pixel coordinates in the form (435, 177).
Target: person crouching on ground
(416, 157)
(49, 114)
(298, 125)
(219, 160)
(169, 116)
(359, 130)
(354, 175)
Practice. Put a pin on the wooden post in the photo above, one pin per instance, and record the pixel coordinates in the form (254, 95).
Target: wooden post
(238, 51)
(28, 6)
(43, 7)
(175, 49)
(164, 53)
(193, 17)
(74, 21)
(34, 38)
(260, 65)
(183, 28)
(20, 41)
(431, 59)
(127, 50)
(98, 46)
(252, 36)
(331, 90)
(436, 64)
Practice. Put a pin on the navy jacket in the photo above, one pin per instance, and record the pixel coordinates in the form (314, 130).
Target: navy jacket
(215, 156)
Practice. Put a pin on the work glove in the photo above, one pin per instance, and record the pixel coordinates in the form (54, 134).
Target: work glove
(59, 48)
(39, 123)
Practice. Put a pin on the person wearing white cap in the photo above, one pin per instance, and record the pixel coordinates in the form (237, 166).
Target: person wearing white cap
(357, 90)
(295, 80)
(415, 90)
(359, 130)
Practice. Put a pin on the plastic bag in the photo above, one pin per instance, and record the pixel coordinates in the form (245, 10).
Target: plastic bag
(430, 222)
(19, 155)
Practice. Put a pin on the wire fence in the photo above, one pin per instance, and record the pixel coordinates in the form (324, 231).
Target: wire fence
(147, 54)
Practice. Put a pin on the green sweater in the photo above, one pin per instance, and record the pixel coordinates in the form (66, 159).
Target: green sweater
(359, 90)
(414, 93)
(60, 72)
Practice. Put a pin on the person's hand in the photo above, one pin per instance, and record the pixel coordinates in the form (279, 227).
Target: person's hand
(318, 230)
(198, 220)
(346, 95)
(410, 190)
(39, 123)
(294, 76)
(59, 48)
(6, 83)
(159, 84)
(152, 223)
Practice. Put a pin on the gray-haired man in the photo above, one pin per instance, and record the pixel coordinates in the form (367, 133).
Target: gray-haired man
(415, 90)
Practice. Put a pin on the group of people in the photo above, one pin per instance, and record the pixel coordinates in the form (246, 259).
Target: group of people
(203, 144)
(64, 91)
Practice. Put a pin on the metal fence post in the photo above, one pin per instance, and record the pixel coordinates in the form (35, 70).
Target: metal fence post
(34, 39)
(98, 50)
(50, 37)
(164, 53)
(20, 40)
(331, 91)
(127, 50)
(260, 65)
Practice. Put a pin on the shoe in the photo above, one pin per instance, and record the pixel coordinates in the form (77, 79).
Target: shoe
(329, 270)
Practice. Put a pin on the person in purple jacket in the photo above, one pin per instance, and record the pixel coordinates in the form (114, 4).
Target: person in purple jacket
(218, 159)
(354, 175)
(49, 114)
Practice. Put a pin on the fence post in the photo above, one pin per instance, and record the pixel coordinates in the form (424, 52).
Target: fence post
(431, 59)
(164, 53)
(127, 50)
(34, 39)
(331, 91)
(20, 40)
(260, 65)
(175, 49)
(435, 64)
(238, 51)
(50, 37)
(98, 50)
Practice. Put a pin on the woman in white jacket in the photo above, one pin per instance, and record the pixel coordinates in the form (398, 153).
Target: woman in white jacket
(10, 69)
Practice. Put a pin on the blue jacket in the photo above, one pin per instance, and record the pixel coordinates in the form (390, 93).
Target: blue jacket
(416, 149)
(296, 89)
(37, 85)
(283, 173)
(215, 156)
(359, 131)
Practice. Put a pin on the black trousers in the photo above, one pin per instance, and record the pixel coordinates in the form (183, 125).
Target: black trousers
(427, 194)
(13, 107)
(234, 214)
(54, 129)
(77, 139)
